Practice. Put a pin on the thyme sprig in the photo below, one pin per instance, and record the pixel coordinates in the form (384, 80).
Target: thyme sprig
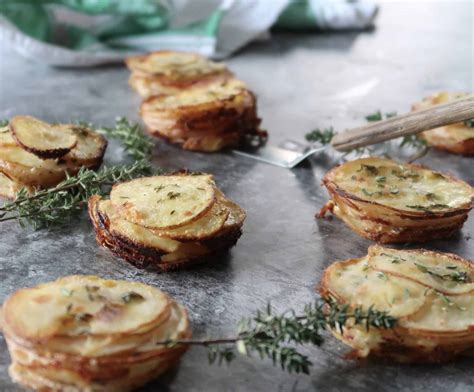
(325, 135)
(322, 136)
(135, 142)
(53, 206)
(273, 336)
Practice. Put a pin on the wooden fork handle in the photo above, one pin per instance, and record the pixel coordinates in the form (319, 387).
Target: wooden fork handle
(406, 124)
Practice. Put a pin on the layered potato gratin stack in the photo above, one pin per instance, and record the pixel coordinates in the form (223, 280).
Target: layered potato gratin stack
(84, 333)
(430, 294)
(166, 222)
(456, 138)
(192, 101)
(387, 201)
(34, 154)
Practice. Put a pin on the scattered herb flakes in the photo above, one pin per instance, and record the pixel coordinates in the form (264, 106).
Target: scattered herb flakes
(428, 208)
(66, 292)
(372, 170)
(406, 294)
(452, 267)
(367, 193)
(394, 191)
(172, 212)
(395, 259)
(173, 195)
(380, 179)
(382, 276)
(132, 296)
(431, 196)
(159, 188)
(449, 302)
(68, 308)
(456, 276)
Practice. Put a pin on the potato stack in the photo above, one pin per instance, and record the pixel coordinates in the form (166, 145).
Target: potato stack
(35, 154)
(166, 222)
(387, 201)
(194, 102)
(430, 294)
(456, 138)
(84, 333)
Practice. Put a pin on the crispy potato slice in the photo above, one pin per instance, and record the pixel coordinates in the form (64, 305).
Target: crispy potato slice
(28, 169)
(405, 187)
(74, 304)
(392, 202)
(354, 282)
(456, 138)
(164, 202)
(88, 151)
(431, 326)
(9, 187)
(42, 139)
(445, 273)
(179, 66)
(202, 228)
(236, 213)
(6, 138)
(133, 233)
(444, 314)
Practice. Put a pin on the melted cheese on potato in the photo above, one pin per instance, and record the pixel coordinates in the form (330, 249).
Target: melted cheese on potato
(174, 64)
(214, 92)
(401, 186)
(163, 202)
(76, 305)
(428, 268)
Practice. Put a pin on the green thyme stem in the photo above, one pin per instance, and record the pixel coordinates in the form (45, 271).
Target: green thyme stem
(135, 142)
(269, 335)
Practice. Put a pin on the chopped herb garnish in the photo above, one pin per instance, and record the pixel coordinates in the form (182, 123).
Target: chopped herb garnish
(172, 212)
(68, 309)
(372, 170)
(395, 259)
(66, 292)
(449, 302)
(159, 188)
(382, 276)
(132, 296)
(427, 208)
(367, 193)
(173, 195)
(394, 191)
(431, 196)
(406, 294)
(457, 276)
(380, 178)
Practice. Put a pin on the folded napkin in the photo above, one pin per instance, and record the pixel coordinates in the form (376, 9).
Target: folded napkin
(91, 32)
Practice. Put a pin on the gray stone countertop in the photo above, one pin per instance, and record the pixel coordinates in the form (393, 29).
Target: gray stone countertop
(302, 81)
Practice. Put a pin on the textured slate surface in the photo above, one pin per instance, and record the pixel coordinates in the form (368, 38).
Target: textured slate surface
(302, 81)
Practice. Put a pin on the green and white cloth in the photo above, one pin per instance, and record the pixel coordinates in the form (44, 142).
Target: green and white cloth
(91, 32)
